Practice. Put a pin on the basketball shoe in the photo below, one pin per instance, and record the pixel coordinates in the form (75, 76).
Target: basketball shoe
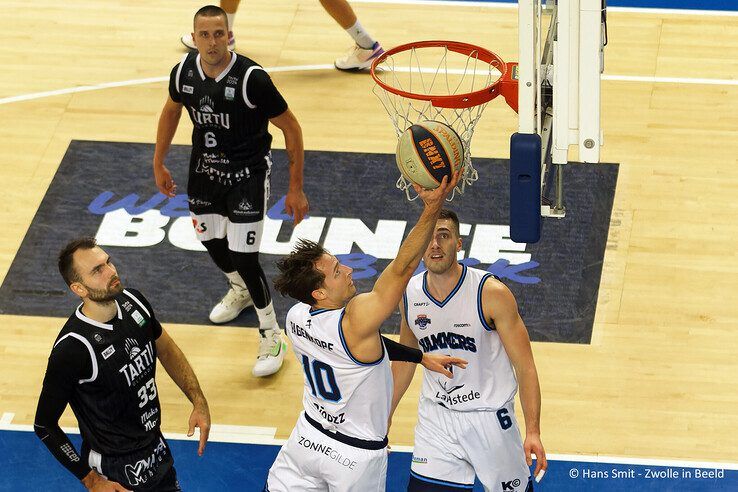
(358, 58)
(187, 41)
(236, 300)
(271, 353)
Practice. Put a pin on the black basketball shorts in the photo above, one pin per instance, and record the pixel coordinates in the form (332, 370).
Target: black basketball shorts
(235, 212)
(148, 469)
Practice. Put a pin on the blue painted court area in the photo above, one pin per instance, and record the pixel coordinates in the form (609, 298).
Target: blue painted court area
(28, 466)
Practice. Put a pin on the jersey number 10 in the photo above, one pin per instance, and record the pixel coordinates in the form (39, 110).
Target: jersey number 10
(320, 377)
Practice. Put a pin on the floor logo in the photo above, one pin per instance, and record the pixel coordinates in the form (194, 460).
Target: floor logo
(154, 244)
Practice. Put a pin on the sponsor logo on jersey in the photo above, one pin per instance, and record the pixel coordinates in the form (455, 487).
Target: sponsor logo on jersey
(416, 304)
(138, 318)
(190, 74)
(510, 485)
(458, 398)
(447, 340)
(449, 387)
(108, 352)
(148, 418)
(419, 460)
(141, 471)
(188, 89)
(230, 93)
(245, 208)
(127, 306)
(142, 361)
(333, 454)
(461, 325)
(200, 227)
(208, 163)
(422, 321)
(197, 202)
(232, 80)
(98, 338)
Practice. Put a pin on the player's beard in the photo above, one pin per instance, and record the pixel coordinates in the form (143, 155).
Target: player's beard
(105, 296)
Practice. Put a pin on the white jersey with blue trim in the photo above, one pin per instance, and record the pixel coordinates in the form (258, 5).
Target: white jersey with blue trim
(456, 326)
(341, 393)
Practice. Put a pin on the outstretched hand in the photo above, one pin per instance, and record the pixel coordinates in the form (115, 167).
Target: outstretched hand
(441, 363)
(436, 196)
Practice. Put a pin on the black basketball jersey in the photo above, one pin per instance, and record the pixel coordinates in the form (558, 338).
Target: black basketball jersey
(116, 403)
(230, 115)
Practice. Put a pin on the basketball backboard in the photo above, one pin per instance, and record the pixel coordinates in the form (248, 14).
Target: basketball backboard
(560, 62)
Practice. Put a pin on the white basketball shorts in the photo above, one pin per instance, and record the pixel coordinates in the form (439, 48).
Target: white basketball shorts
(452, 447)
(313, 461)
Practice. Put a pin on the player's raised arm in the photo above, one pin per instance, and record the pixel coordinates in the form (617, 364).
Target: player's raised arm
(366, 312)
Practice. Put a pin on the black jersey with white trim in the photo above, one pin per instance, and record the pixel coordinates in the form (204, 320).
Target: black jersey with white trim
(230, 115)
(114, 397)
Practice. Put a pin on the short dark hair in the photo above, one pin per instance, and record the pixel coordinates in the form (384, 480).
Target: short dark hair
(451, 215)
(298, 277)
(66, 258)
(210, 11)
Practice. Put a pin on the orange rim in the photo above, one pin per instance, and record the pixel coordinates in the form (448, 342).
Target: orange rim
(505, 84)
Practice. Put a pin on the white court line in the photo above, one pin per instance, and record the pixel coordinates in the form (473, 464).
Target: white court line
(239, 434)
(305, 68)
(514, 5)
(669, 80)
(242, 434)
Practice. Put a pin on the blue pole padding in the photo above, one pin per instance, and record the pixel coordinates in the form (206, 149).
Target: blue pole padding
(525, 187)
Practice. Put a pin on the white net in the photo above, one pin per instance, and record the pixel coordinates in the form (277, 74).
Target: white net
(435, 71)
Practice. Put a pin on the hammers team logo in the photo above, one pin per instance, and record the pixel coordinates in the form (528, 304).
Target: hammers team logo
(422, 321)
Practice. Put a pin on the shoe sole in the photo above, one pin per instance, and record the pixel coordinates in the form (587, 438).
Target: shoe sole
(353, 69)
(259, 375)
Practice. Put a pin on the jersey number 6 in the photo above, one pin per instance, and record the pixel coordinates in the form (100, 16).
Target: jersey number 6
(210, 141)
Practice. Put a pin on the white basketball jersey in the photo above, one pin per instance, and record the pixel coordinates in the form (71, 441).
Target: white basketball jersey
(455, 326)
(341, 393)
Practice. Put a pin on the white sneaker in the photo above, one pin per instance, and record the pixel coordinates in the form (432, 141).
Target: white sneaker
(236, 300)
(190, 43)
(271, 354)
(358, 58)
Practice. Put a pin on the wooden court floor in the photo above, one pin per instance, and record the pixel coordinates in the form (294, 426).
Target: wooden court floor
(656, 380)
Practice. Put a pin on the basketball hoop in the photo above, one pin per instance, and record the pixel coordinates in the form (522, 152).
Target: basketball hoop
(446, 81)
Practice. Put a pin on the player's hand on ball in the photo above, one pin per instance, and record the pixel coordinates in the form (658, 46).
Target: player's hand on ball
(435, 197)
(441, 363)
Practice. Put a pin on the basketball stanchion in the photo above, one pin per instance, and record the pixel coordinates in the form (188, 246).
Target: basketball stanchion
(442, 81)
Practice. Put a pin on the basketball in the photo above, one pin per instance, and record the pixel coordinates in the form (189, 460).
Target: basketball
(428, 151)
